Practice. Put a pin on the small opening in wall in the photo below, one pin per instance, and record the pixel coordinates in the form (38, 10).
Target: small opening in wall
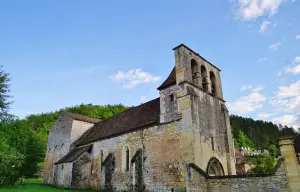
(62, 167)
(212, 143)
(172, 97)
(127, 159)
(218, 148)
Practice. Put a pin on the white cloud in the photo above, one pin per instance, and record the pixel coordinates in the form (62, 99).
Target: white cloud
(258, 88)
(297, 36)
(289, 120)
(291, 90)
(253, 88)
(275, 46)
(294, 70)
(252, 9)
(247, 104)
(264, 26)
(262, 60)
(143, 99)
(264, 116)
(287, 99)
(297, 60)
(135, 77)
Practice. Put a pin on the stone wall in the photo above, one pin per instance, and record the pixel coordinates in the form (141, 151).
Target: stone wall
(161, 155)
(206, 127)
(81, 172)
(61, 136)
(58, 146)
(64, 175)
(78, 128)
(168, 105)
(198, 181)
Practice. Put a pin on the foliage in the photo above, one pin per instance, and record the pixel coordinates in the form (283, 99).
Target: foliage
(25, 140)
(4, 90)
(243, 141)
(261, 133)
(10, 162)
(262, 165)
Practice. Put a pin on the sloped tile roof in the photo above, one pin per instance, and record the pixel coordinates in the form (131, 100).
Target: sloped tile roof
(83, 118)
(74, 154)
(171, 80)
(134, 118)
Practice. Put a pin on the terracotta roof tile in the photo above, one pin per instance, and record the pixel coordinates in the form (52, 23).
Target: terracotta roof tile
(74, 154)
(171, 80)
(132, 119)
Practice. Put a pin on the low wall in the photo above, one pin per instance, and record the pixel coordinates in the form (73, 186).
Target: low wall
(198, 180)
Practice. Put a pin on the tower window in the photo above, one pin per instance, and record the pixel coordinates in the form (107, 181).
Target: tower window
(204, 76)
(172, 97)
(213, 83)
(195, 71)
(212, 143)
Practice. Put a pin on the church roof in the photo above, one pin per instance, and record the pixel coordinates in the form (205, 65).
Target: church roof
(74, 154)
(83, 118)
(134, 118)
(171, 80)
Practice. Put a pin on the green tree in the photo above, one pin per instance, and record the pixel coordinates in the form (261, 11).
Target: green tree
(242, 140)
(4, 96)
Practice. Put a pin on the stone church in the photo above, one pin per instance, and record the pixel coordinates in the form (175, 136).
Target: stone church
(180, 141)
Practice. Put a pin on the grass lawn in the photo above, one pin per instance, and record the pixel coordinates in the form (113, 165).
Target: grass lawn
(35, 185)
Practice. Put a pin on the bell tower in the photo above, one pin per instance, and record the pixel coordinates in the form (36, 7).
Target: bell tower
(194, 87)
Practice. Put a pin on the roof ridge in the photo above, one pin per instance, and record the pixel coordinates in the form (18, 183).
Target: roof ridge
(131, 108)
(80, 117)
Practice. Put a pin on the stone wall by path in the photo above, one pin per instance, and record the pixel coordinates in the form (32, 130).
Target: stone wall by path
(197, 180)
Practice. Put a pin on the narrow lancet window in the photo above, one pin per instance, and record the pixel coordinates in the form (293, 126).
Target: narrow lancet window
(127, 159)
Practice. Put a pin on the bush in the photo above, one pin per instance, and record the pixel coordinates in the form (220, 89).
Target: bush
(263, 165)
(10, 165)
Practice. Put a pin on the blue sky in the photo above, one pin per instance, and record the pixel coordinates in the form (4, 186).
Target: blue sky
(64, 53)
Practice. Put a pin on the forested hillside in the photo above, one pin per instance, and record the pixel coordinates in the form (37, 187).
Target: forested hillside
(260, 133)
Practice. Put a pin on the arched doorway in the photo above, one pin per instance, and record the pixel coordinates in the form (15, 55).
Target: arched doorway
(214, 167)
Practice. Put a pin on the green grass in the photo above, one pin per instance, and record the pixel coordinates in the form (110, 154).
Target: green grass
(35, 185)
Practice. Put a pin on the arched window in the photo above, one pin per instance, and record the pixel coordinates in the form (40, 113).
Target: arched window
(204, 76)
(125, 158)
(195, 71)
(101, 159)
(214, 168)
(213, 83)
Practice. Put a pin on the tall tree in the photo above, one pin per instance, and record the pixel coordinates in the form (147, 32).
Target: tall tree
(4, 96)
